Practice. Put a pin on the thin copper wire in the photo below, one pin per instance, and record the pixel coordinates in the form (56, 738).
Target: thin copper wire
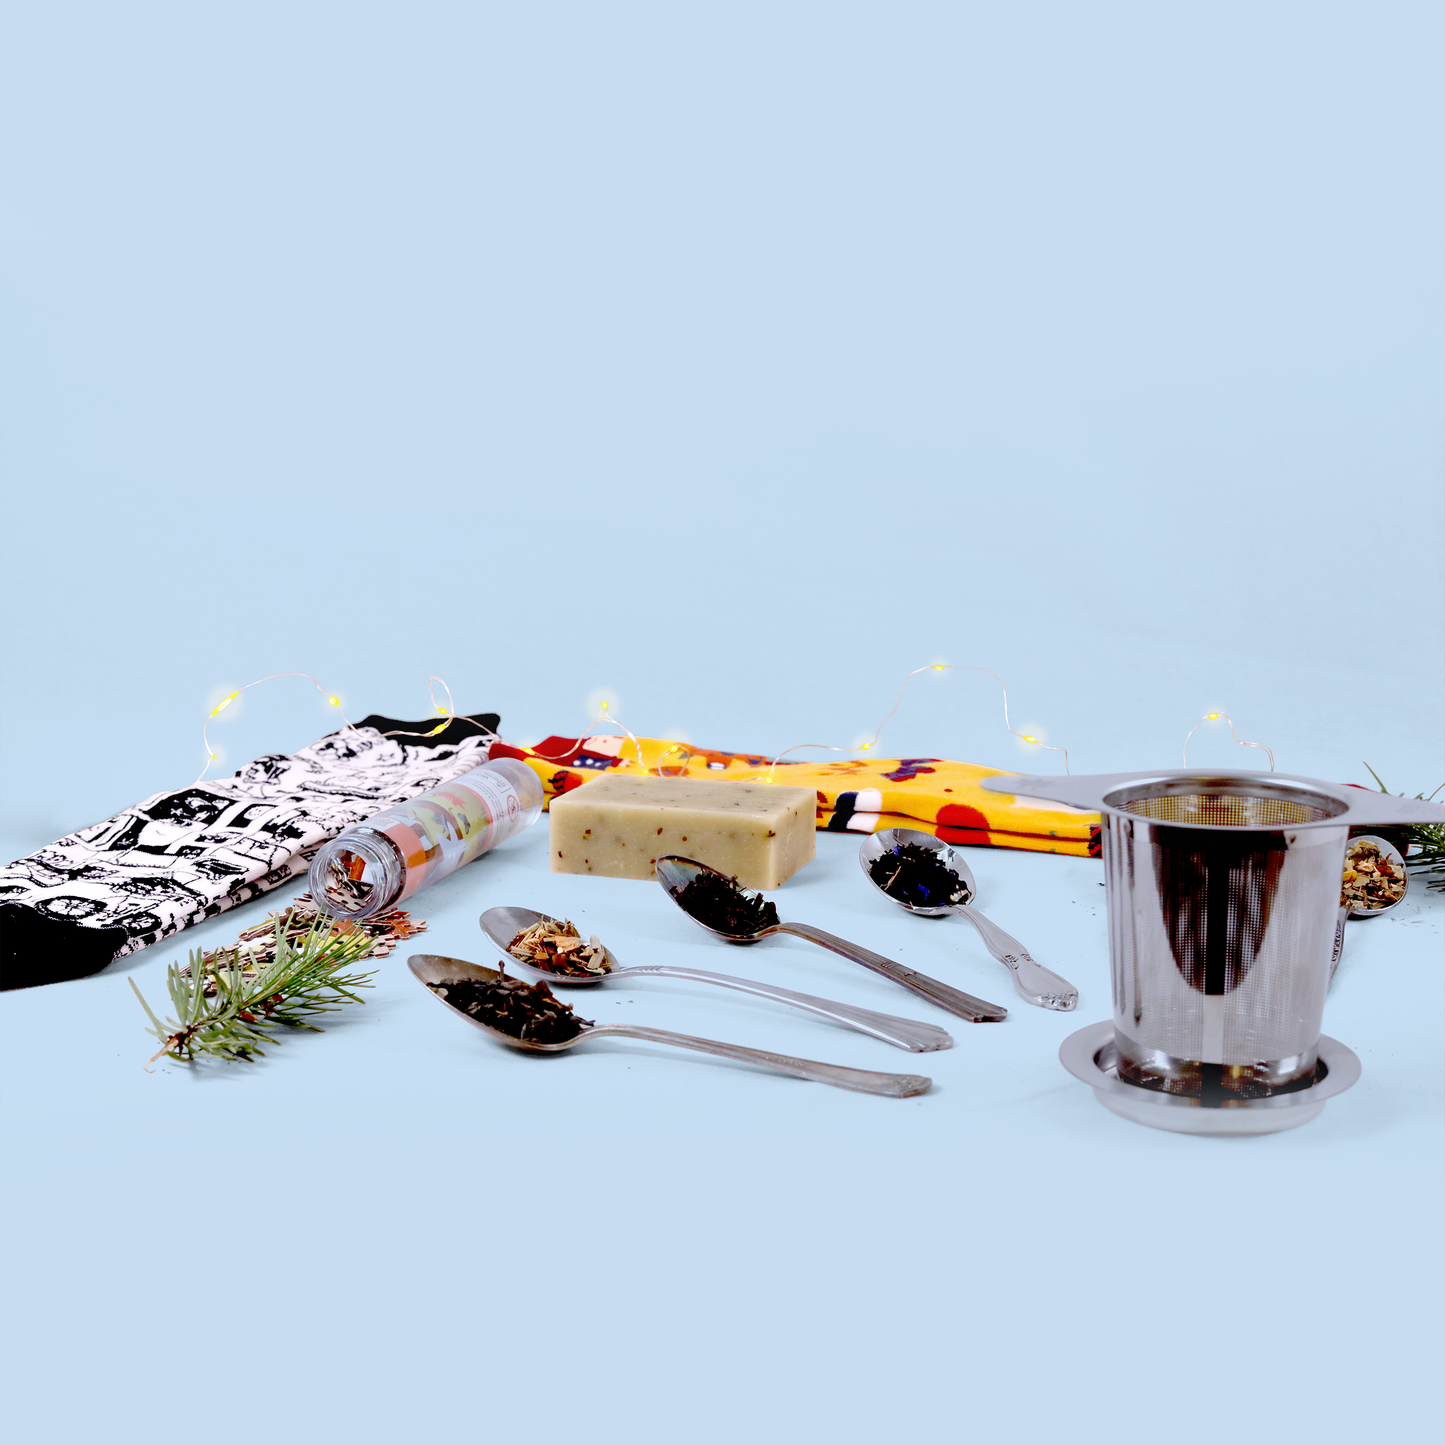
(603, 717)
(1214, 717)
(270, 677)
(449, 714)
(931, 667)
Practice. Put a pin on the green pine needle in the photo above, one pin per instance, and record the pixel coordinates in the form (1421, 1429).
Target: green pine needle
(222, 1014)
(1425, 843)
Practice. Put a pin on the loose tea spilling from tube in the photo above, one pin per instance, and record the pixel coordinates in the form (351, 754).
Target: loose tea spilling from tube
(526, 1011)
(918, 876)
(719, 903)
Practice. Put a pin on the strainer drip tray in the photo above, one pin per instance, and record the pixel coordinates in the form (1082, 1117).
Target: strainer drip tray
(1214, 1085)
(1089, 1055)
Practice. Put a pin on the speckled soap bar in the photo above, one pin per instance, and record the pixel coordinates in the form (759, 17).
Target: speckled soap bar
(619, 826)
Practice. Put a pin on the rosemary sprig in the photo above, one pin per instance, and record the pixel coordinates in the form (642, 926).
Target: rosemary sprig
(222, 1013)
(1424, 848)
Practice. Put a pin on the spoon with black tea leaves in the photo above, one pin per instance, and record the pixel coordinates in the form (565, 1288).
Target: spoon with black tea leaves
(433, 969)
(676, 874)
(1034, 982)
(502, 925)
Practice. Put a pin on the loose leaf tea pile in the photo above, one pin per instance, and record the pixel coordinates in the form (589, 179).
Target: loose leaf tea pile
(559, 948)
(919, 876)
(719, 903)
(1371, 879)
(256, 946)
(526, 1011)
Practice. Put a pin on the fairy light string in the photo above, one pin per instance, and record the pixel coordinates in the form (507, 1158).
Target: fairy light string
(1215, 717)
(878, 731)
(225, 702)
(448, 713)
(607, 724)
(604, 718)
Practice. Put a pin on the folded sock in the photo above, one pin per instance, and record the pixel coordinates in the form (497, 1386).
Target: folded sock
(183, 856)
(836, 821)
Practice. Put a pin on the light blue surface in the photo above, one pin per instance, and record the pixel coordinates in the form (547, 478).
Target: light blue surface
(738, 362)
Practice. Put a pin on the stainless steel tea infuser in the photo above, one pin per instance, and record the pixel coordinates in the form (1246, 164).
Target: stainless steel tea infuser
(1223, 895)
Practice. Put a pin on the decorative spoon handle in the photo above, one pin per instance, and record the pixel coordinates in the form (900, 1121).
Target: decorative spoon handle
(1039, 985)
(954, 1000)
(911, 1034)
(865, 1081)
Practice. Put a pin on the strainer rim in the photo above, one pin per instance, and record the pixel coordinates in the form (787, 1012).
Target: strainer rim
(1266, 787)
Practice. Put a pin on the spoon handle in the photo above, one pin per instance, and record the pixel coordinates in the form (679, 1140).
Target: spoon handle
(954, 1000)
(865, 1081)
(1034, 982)
(911, 1034)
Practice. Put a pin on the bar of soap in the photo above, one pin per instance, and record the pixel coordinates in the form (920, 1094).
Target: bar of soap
(618, 826)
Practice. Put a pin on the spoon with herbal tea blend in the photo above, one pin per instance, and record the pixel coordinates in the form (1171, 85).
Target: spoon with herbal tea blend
(924, 875)
(527, 1016)
(548, 947)
(736, 915)
(1374, 878)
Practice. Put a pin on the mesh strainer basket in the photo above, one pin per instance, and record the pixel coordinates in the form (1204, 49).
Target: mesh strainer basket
(1223, 893)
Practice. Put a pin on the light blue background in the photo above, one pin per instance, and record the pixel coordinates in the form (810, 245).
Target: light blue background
(736, 360)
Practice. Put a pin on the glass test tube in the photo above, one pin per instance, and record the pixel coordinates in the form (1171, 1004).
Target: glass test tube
(409, 846)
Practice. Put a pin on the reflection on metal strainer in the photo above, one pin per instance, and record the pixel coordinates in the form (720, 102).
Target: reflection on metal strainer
(1220, 918)
(1224, 810)
(1223, 894)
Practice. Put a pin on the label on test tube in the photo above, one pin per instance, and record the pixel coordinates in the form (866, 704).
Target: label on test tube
(450, 825)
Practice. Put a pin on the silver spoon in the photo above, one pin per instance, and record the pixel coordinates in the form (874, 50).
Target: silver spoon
(1033, 981)
(433, 968)
(1396, 861)
(1346, 912)
(676, 873)
(502, 925)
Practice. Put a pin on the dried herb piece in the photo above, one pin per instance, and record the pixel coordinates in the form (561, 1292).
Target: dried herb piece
(526, 1011)
(1372, 879)
(720, 903)
(559, 948)
(918, 876)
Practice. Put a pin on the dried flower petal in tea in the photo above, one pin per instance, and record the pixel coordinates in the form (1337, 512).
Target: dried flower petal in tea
(918, 876)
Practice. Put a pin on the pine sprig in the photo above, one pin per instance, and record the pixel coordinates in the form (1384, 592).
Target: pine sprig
(221, 1013)
(1424, 843)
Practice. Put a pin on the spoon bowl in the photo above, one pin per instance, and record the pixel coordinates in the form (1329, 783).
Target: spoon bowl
(1396, 860)
(502, 925)
(675, 873)
(433, 968)
(1035, 983)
